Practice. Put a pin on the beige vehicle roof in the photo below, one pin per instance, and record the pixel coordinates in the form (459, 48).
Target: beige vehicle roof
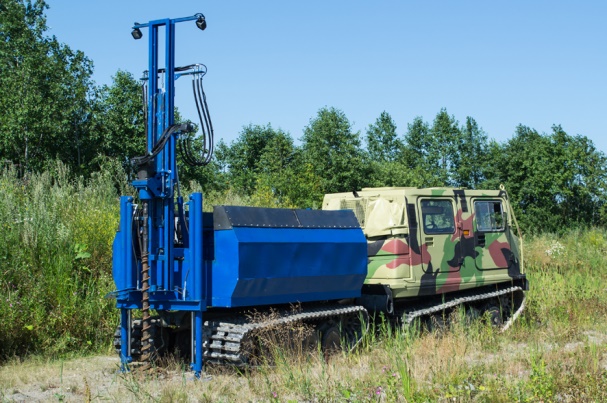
(382, 211)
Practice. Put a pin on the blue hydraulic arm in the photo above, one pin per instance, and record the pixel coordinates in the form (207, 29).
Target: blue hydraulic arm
(165, 275)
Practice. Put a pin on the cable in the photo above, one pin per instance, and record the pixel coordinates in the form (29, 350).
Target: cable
(186, 148)
(207, 117)
(186, 145)
(164, 138)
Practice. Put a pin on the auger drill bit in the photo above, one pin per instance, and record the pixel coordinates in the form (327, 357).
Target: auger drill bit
(146, 346)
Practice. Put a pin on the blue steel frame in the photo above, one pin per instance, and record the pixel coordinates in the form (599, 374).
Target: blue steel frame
(168, 289)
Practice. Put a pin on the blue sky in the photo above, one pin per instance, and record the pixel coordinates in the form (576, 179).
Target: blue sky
(537, 63)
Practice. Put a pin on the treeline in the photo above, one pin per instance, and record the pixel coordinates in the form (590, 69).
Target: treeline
(50, 109)
(555, 180)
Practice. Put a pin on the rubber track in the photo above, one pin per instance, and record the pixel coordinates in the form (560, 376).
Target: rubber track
(222, 340)
(408, 316)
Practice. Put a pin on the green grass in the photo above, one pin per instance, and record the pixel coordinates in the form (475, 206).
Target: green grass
(56, 268)
(56, 242)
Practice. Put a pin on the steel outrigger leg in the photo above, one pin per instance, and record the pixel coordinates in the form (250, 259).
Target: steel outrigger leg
(125, 339)
(197, 329)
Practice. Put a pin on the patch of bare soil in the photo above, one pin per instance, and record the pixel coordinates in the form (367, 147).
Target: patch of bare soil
(81, 379)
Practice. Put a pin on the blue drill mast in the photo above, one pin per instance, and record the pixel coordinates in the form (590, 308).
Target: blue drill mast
(158, 282)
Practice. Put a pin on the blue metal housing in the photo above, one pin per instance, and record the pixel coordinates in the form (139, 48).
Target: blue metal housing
(276, 260)
(259, 261)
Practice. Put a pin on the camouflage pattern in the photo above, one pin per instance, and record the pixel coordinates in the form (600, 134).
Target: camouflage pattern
(437, 240)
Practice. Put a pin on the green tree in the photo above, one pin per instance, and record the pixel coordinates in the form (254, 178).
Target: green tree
(243, 155)
(45, 97)
(384, 150)
(416, 155)
(469, 159)
(556, 181)
(119, 121)
(276, 177)
(523, 165)
(210, 177)
(445, 154)
(383, 143)
(580, 178)
(305, 190)
(417, 141)
(444, 137)
(334, 154)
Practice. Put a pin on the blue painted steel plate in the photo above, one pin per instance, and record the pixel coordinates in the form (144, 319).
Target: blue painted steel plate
(274, 256)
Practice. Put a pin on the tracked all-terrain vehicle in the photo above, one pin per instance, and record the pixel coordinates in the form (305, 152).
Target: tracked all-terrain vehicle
(200, 280)
(430, 250)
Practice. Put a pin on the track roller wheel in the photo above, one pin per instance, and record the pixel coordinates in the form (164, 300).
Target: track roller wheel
(494, 314)
(436, 323)
(310, 342)
(330, 341)
(352, 329)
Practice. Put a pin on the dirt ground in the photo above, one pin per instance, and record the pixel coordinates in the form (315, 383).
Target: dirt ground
(83, 379)
(98, 378)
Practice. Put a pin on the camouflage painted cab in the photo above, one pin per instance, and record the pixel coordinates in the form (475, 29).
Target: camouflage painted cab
(437, 242)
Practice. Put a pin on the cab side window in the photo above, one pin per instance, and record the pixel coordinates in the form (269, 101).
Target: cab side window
(489, 216)
(437, 216)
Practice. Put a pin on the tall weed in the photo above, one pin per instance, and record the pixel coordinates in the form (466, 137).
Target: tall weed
(56, 260)
(567, 276)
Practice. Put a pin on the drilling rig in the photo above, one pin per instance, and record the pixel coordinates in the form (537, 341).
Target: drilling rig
(193, 277)
(188, 266)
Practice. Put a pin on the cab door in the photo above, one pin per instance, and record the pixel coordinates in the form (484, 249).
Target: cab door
(439, 238)
(490, 241)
